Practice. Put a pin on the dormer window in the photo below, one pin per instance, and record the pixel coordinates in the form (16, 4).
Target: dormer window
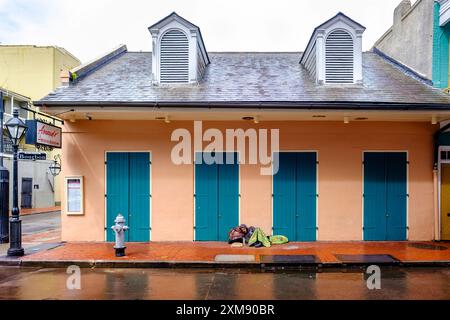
(174, 57)
(179, 55)
(339, 57)
(334, 53)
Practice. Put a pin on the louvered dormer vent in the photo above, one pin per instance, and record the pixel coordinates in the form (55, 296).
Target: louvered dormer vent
(339, 53)
(334, 52)
(174, 57)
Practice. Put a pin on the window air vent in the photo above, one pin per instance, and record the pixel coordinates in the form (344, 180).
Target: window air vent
(174, 67)
(339, 57)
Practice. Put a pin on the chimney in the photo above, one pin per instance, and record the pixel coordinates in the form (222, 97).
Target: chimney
(65, 78)
(401, 10)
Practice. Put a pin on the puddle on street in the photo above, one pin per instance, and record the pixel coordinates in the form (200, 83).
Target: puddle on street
(229, 284)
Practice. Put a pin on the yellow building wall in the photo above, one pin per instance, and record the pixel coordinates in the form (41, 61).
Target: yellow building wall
(34, 72)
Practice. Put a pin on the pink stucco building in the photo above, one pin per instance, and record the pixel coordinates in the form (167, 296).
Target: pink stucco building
(356, 149)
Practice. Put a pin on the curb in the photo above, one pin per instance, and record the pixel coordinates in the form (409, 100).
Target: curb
(211, 264)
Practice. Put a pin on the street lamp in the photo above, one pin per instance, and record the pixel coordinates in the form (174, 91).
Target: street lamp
(16, 130)
(55, 167)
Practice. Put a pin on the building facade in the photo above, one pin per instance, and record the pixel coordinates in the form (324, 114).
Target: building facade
(344, 141)
(36, 184)
(33, 72)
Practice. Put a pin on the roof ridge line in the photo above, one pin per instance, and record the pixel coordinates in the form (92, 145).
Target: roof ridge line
(402, 67)
(87, 68)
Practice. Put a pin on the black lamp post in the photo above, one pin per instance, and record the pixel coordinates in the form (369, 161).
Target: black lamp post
(16, 130)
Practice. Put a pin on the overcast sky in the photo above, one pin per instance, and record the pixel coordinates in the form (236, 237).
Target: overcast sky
(88, 28)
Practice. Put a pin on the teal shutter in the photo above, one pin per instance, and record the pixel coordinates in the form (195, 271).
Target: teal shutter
(385, 196)
(128, 193)
(139, 212)
(216, 199)
(295, 196)
(228, 190)
(117, 190)
(206, 200)
(396, 200)
(374, 196)
(284, 196)
(306, 196)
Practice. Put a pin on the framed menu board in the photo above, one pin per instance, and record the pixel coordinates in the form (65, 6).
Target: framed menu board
(74, 195)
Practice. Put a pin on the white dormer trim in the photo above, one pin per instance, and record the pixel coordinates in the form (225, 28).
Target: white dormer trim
(196, 46)
(316, 49)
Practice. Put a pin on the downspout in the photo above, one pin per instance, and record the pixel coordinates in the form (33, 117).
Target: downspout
(436, 189)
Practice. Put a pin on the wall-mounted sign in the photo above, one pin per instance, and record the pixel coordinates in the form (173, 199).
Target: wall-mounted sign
(41, 133)
(32, 156)
(74, 195)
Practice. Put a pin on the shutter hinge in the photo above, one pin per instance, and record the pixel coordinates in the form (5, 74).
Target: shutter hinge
(317, 162)
(407, 195)
(106, 162)
(150, 162)
(407, 162)
(317, 195)
(194, 195)
(106, 195)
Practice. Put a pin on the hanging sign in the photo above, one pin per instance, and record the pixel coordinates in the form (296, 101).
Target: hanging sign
(41, 133)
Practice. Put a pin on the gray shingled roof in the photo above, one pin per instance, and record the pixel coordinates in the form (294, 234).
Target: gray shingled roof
(249, 78)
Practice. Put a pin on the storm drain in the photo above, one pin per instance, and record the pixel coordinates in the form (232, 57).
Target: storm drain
(366, 258)
(234, 258)
(290, 259)
(427, 246)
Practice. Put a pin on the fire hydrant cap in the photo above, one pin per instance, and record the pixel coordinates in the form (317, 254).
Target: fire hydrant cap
(119, 219)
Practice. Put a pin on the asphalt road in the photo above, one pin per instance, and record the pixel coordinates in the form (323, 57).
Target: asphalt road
(106, 284)
(36, 223)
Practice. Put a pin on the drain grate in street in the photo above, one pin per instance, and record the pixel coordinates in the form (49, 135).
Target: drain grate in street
(365, 258)
(294, 259)
(234, 258)
(427, 246)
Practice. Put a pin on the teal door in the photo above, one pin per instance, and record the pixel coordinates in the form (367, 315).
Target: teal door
(294, 196)
(128, 193)
(216, 198)
(385, 196)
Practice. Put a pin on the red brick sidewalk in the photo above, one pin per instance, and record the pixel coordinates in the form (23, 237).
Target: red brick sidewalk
(199, 252)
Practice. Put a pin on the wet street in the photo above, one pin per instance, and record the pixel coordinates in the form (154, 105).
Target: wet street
(405, 284)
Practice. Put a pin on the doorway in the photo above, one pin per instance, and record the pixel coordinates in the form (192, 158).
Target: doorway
(128, 193)
(27, 193)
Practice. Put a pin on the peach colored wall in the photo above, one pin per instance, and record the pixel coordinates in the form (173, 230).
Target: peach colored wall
(339, 148)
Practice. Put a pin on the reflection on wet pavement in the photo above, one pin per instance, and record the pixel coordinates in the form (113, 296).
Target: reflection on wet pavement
(24, 283)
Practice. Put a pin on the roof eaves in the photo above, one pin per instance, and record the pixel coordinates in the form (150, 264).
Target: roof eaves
(299, 105)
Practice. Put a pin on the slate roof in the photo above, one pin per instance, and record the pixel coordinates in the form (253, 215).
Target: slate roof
(249, 80)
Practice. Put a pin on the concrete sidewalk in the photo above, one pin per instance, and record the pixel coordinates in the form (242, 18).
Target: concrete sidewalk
(219, 254)
(26, 212)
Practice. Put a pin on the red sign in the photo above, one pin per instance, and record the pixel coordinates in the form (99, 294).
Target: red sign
(48, 135)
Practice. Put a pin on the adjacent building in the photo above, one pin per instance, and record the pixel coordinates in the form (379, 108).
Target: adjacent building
(424, 29)
(355, 129)
(28, 73)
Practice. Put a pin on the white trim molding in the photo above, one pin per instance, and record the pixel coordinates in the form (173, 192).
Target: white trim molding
(444, 12)
(314, 57)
